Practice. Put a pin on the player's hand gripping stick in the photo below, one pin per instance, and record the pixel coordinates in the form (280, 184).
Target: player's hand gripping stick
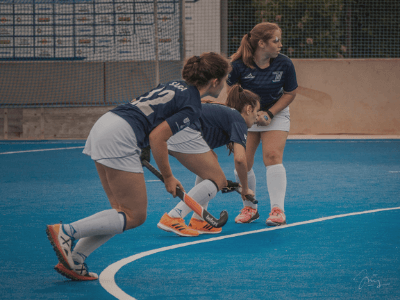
(234, 186)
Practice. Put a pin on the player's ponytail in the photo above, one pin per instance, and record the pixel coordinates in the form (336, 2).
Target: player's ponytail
(238, 98)
(246, 51)
(248, 45)
(199, 70)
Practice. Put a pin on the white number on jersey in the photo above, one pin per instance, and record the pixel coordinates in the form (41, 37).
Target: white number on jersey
(178, 86)
(158, 96)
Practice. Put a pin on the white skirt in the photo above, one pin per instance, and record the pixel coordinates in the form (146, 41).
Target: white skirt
(188, 141)
(281, 122)
(112, 142)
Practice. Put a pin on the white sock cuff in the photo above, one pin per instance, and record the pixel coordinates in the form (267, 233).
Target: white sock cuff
(103, 223)
(198, 180)
(276, 168)
(249, 203)
(198, 191)
(249, 173)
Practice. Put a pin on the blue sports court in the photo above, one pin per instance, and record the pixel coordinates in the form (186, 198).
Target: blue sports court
(342, 240)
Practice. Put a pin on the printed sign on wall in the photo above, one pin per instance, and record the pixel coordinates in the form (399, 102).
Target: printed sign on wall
(99, 30)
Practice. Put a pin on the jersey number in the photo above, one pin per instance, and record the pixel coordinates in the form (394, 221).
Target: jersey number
(161, 98)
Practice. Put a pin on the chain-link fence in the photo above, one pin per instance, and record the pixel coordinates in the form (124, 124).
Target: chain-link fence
(105, 52)
(322, 28)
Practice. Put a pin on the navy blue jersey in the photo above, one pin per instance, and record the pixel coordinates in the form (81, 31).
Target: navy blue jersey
(221, 125)
(268, 83)
(175, 102)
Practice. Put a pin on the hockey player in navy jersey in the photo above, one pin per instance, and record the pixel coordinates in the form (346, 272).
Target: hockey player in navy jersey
(259, 66)
(218, 125)
(115, 143)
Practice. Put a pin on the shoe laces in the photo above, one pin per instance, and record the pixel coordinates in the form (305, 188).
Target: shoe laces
(179, 222)
(81, 268)
(246, 210)
(176, 220)
(275, 211)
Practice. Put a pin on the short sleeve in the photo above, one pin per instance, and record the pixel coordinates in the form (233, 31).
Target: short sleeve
(290, 83)
(233, 76)
(239, 133)
(183, 118)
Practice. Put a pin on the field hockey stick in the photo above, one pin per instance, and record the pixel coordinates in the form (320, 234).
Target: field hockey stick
(234, 186)
(189, 201)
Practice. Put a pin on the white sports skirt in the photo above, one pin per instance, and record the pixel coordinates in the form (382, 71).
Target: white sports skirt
(281, 122)
(112, 142)
(188, 141)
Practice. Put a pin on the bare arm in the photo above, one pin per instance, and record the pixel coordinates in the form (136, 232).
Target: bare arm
(280, 105)
(283, 102)
(158, 143)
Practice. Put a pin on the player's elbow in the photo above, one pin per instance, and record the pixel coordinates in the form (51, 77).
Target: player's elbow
(291, 94)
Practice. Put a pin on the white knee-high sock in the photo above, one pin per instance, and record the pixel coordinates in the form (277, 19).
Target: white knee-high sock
(105, 222)
(209, 190)
(251, 181)
(276, 183)
(202, 193)
(198, 180)
(87, 245)
(181, 210)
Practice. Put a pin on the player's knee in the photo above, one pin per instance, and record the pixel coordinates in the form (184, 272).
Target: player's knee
(135, 219)
(272, 157)
(220, 182)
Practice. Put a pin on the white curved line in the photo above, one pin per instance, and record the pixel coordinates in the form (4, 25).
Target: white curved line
(107, 277)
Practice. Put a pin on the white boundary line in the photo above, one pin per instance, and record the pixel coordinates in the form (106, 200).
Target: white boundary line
(40, 150)
(107, 277)
(297, 138)
(67, 148)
